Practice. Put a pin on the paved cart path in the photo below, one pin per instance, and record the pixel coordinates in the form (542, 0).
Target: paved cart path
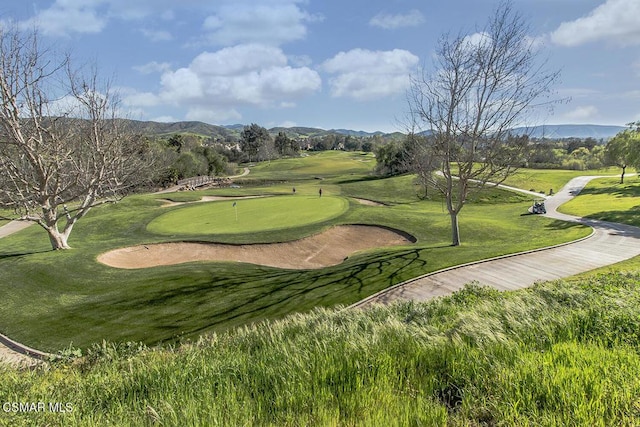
(609, 243)
(13, 227)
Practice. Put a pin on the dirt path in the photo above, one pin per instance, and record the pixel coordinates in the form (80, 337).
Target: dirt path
(609, 243)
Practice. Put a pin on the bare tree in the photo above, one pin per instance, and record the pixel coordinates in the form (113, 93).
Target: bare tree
(480, 88)
(62, 149)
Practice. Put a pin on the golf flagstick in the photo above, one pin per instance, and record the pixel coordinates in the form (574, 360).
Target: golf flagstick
(235, 207)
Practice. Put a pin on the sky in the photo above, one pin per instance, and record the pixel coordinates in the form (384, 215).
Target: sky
(330, 64)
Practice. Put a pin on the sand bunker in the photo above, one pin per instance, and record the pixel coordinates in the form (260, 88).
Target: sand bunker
(328, 248)
(368, 202)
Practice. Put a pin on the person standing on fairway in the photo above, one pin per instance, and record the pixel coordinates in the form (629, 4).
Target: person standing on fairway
(320, 192)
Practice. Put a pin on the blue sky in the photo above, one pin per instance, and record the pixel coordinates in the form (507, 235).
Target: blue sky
(329, 63)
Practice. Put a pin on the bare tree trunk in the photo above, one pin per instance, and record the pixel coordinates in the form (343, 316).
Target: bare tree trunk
(622, 175)
(455, 230)
(58, 240)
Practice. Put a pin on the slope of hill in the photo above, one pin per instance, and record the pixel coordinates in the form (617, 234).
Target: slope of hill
(233, 131)
(554, 354)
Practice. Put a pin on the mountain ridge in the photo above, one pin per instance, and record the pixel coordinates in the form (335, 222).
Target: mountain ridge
(560, 131)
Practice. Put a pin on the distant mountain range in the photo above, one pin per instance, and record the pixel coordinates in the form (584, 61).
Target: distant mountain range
(231, 132)
(571, 131)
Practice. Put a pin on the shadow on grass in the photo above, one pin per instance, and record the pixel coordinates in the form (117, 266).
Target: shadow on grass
(629, 217)
(168, 309)
(617, 190)
(562, 225)
(22, 254)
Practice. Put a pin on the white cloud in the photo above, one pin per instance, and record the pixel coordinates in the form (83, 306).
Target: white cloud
(69, 16)
(477, 39)
(578, 92)
(287, 124)
(614, 20)
(157, 35)
(164, 119)
(66, 17)
(582, 113)
(211, 114)
(632, 94)
(215, 84)
(270, 22)
(363, 74)
(152, 67)
(391, 22)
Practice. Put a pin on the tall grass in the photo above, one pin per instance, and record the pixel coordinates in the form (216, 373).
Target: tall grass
(555, 354)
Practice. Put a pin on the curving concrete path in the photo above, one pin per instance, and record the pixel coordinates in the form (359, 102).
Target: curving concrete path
(13, 227)
(609, 243)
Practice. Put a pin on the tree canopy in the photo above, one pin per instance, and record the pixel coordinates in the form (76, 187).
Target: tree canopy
(624, 149)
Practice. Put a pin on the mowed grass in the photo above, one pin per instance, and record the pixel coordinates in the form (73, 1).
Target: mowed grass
(51, 299)
(543, 180)
(608, 200)
(248, 216)
(319, 166)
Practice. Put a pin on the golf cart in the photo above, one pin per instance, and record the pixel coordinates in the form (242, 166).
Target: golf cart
(538, 207)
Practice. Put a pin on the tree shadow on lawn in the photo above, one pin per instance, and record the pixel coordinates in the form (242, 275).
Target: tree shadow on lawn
(7, 255)
(629, 217)
(557, 224)
(617, 190)
(173, 308)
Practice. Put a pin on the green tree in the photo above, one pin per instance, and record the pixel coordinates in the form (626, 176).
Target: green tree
(391, 159)
(216, 162)
(284, 145)
(624, 149)
(252, 139)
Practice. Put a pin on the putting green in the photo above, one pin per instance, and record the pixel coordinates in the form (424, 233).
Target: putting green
(268, 213)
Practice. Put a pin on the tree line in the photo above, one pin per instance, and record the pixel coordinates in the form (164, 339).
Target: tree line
(394, 158)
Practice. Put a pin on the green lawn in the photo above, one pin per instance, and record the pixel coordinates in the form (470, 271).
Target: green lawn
(606, 199)
(543, 180)
(561, 353)
(319, 166)
(249, 216)
(51, 299)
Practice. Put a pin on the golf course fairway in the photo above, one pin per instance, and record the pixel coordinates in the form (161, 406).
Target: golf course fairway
(250, 215)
